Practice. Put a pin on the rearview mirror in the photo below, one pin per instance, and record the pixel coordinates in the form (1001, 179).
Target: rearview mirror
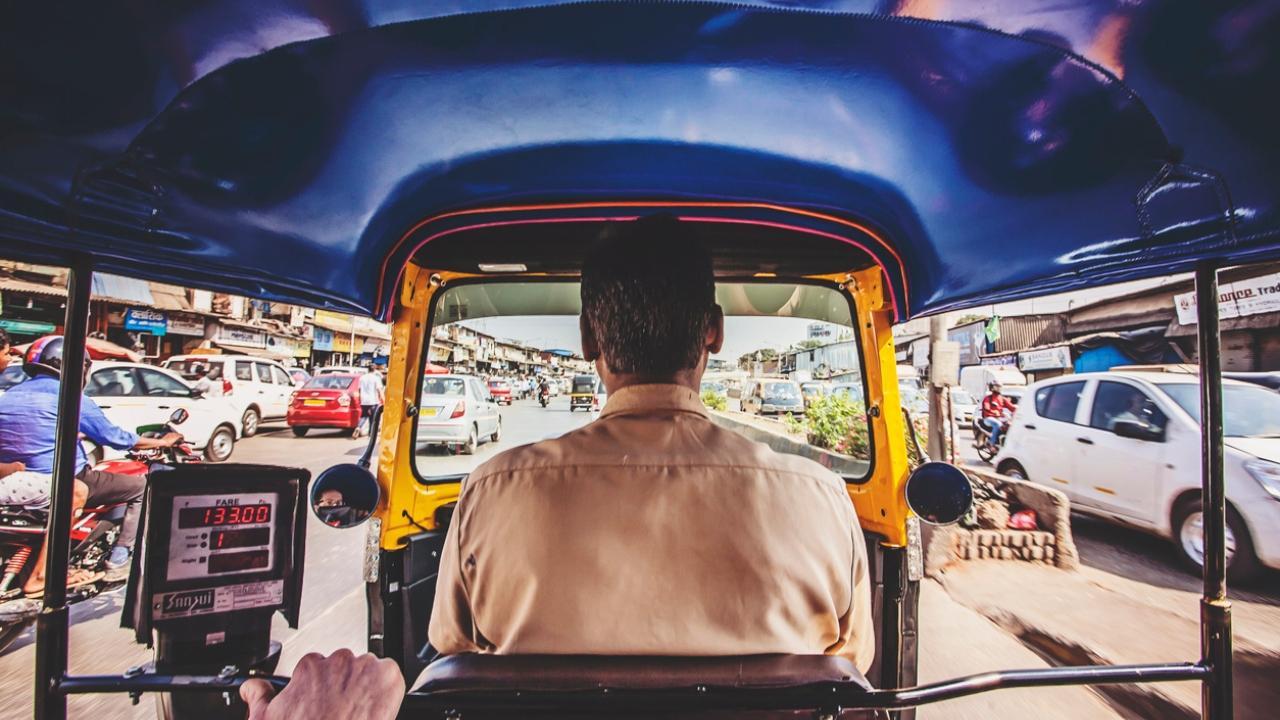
(939, 493)
(345, 495)
(1138, 431)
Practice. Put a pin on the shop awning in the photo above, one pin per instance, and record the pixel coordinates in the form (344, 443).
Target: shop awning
(122, 289)
(31, 288)
(168, 297)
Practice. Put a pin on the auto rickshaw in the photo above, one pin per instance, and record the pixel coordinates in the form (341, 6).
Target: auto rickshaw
(412, 163)
(583, 393)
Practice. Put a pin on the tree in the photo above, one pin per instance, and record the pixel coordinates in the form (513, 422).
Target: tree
(763, 355)
(810, 344)
(970, 317)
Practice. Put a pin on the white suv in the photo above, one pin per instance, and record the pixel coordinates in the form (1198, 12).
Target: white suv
(1125, 446)
(259, 388)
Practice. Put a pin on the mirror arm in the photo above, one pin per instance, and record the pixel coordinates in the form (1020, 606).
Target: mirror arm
(375, 424)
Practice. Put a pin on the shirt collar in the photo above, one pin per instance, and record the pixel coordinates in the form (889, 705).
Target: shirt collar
(655, 396)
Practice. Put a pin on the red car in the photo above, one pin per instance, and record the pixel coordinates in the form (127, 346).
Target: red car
(501, 391)
(326, 401)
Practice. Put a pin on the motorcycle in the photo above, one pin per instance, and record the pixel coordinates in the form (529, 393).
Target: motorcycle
(93, 534)
(982, 438)
(544, 397)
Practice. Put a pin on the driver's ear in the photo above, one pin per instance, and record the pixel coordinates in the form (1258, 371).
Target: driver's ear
(590, 348)
(715, 330)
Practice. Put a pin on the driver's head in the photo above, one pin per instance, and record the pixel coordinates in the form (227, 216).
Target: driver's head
(649, 301)
(995, 388)
(330, 497)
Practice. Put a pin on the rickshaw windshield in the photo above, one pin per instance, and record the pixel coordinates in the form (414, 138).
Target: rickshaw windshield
(529, 331)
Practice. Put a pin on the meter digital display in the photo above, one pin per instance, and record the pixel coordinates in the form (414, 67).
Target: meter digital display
(222, 534)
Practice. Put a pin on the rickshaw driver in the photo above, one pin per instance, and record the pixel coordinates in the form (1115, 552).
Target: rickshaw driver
(653, 531)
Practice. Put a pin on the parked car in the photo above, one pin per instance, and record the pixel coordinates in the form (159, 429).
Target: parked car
(963, 407)
(849, 391)
(457, 411)
(132, 395)
(714, 386)
(258, 387)
(340, 370)
(331, 400)
(501, 391)
(1125, 446)
(773, 397)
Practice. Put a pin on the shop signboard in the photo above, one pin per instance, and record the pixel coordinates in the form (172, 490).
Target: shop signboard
(146, 320)
(291, 347)
(1054, 358)
(1001, 360)
(192, 325)
(240, 336)
(27, 327)
(1251, 296)
(322, 339)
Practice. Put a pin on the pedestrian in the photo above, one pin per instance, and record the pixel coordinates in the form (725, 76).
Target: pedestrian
(370, 398)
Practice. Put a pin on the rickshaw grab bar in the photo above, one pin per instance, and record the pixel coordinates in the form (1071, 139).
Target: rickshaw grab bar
(817, 695)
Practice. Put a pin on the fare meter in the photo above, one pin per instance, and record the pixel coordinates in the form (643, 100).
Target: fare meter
(220, 551)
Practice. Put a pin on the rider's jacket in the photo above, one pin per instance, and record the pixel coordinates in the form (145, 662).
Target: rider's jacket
(654, 531)
(996, 405)
(28, 422)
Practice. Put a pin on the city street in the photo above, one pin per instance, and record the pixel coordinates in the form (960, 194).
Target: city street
(333, 605)
(958, 639)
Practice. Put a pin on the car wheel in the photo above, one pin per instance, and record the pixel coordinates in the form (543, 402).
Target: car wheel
(473, 439)
(221, 443)
(299, 431)
(1188, 535)
(497, 432)
(1013, 470)
(249, 423)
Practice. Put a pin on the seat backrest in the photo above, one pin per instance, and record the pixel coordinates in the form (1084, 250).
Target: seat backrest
(474, 672)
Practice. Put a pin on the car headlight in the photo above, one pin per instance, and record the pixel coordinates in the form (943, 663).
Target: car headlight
(1266, 473)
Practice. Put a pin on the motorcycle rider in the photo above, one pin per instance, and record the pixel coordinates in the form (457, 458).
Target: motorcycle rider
(28, 424)
(995, 408)
(544, 391)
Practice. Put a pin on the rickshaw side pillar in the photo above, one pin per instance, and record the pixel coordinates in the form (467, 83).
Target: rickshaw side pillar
(1215, 608)
(52, 628)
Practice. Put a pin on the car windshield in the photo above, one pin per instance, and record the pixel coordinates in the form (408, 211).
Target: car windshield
(961, 397)
(781, 390)
(444, 386)
(329, 382)
(530, 330)
(187, 367)
(1247, 410)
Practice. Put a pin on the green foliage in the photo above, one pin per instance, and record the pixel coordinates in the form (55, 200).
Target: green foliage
(834, 422)
(714, 400)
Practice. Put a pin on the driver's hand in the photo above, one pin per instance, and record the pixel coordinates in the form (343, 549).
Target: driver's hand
(340, 686)
(171, 439)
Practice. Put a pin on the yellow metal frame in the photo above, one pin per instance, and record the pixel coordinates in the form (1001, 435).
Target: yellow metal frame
(409, 505)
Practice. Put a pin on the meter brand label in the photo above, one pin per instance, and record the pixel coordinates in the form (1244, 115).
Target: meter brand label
(190, 602)
(210, 601)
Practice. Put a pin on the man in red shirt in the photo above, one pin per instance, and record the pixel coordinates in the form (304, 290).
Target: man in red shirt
(995, 408)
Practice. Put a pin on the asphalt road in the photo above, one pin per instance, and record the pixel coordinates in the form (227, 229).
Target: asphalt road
(333, 606)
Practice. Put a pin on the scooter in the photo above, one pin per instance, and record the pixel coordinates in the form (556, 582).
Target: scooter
(93, 534)
(982, 438)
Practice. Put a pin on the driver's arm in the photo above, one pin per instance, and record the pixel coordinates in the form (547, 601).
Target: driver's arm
(95, 426)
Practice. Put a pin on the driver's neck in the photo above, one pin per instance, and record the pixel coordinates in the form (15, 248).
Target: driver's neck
(690, 378)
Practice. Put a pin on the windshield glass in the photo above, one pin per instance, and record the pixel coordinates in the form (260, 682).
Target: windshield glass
(1247, 410)
(187, 367)
(329, 382)
(745, 387)
(961, 397)
(444, 386)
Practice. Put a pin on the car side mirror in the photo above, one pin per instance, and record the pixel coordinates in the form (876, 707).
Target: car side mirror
(196, 394)
(939, 493)
(1138, 431)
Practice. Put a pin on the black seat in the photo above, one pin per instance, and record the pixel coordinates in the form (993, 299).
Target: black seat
(481, 673)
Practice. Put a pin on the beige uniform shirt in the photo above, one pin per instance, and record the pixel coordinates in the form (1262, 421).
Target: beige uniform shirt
(653, 531)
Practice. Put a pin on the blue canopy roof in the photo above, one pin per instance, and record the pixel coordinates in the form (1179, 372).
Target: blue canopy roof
(284, 149)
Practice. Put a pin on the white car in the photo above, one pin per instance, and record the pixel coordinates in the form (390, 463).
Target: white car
(132, 395)
(963, 407)
(259, 388)
(457, 411)
(1125, 446)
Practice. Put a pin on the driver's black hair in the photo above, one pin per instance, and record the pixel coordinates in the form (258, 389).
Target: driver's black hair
(4, 338)
(647, 295)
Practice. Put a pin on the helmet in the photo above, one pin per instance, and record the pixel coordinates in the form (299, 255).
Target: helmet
(44, 357)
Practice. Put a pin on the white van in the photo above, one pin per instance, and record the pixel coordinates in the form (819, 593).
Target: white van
(259, 388)
(1125, 446)
(976, 378)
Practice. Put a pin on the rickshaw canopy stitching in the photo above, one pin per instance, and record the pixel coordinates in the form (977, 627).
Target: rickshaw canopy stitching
(281, 149)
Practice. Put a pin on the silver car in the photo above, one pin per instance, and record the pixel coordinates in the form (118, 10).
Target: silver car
(457, 411)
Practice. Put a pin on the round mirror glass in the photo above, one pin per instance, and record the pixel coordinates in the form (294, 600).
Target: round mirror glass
(344, 495)
(939, 493)
(179, 416)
